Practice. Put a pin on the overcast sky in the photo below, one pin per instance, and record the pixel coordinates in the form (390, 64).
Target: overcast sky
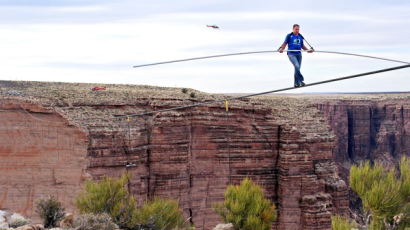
(99, 41)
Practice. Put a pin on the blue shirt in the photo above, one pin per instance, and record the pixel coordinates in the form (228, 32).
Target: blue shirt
(295, 42)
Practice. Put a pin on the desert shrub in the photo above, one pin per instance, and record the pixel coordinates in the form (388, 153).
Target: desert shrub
(94, 222)
(184, 90)
(193, 95)
(342, 223)
(162, 214)
(109, 196)
(50, 211)
(246, 208)
(385, 193)
(17, 220)
(18, 223)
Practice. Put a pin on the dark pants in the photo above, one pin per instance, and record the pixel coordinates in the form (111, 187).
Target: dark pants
(296, 60)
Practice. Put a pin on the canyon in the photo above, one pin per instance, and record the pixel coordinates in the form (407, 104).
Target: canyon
(299, 148)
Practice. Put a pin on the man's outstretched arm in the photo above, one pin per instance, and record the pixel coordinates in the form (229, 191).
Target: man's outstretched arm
(305, 48)
(282, 47)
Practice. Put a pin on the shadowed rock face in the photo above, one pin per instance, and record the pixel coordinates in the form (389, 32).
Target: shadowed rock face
(369, 130)
(375, 130)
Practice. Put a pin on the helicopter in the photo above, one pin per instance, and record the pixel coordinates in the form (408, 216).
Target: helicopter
(213, 26)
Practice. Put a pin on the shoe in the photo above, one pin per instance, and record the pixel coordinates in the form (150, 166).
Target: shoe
(302, 84)
(297, 86)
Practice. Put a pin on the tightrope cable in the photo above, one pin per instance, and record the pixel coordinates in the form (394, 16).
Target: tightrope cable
(267, 51)
(225, 100)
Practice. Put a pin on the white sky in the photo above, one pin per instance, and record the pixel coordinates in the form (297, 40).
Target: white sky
(100, 40)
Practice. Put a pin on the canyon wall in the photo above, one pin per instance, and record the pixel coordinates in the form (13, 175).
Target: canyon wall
(190, 156)
(40, 155)
(54, 138)
(376, 130)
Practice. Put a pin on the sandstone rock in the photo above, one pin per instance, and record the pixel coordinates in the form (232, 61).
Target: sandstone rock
(67, 221)
(3, 213)
(3, 220)
(54, 164)
(3, 224)
(31, 227)
(224, 227)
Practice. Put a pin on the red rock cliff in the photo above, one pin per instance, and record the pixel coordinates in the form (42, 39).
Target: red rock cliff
(191, 155)
(40, 154)
(372, 127)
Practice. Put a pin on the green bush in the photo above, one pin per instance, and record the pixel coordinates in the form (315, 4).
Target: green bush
(112, 197)
(50, 211)
(385, 194)
(193, 95)
(342, 223)
(184, 90)
(94, 222)
(161, 214)
(246, 208)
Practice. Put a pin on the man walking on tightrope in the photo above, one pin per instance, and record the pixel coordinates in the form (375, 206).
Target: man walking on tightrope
(294, 41)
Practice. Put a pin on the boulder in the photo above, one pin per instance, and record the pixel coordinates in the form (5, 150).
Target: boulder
(3, 220)
(3, 224)
(31, 227)
(3, 213)
(224, 227)
(67, 221)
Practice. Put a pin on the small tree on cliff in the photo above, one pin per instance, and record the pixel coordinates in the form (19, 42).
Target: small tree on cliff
(385, 194)
(342, 223)
(161, 214)
(246, 208)
(110, 196)
(50, 210)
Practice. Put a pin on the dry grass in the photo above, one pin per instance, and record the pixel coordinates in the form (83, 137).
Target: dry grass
(62, 94)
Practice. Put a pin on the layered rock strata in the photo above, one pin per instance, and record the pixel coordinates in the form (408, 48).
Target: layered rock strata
(55, 136)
